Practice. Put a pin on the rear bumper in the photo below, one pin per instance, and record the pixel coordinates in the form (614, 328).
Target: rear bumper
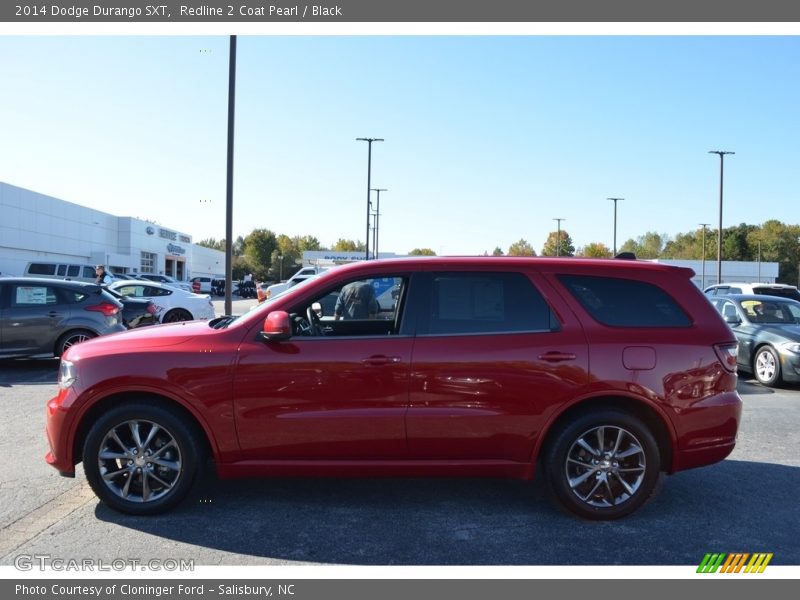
(707, 431)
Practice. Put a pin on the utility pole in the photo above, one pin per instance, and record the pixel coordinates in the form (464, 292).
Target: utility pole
(229, 186)
(615, 200)
(369, 175)
(703, 276)
(558, 238)
(721, 154)
(377, 219)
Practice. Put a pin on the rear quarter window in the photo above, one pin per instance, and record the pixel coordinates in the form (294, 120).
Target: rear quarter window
(42, 269)
(620, 302)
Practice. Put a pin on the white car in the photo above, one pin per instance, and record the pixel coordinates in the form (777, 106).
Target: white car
(301, 275)
(172, 305)
(166, 280)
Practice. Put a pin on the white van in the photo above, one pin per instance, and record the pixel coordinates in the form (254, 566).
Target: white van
(58, 270)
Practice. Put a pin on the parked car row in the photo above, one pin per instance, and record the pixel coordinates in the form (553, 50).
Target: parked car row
(171, 304)
(768, 331)
(44, 316)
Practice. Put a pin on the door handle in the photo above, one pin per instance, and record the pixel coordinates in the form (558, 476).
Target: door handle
(557, 356)
(380, 359)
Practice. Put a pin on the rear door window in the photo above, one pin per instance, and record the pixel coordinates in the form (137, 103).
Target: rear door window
(482, 303)
(625, 302)
(33, 295)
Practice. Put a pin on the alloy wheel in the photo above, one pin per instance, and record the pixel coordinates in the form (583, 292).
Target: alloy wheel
(605, 466)
(139, 461)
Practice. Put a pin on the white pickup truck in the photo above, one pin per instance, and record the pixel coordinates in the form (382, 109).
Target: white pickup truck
(301, 275)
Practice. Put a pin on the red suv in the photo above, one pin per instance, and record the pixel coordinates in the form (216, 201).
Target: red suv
(603, 373)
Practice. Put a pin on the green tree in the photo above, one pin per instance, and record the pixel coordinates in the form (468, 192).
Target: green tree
(595, 250)
(213, 244)
(648, 246)
(521, 248)
(422, 252)
(343, 245)
(565, 246)
(498, 251)
(258, 248)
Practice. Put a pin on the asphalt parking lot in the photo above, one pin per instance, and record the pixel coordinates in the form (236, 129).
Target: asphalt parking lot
(747, 503)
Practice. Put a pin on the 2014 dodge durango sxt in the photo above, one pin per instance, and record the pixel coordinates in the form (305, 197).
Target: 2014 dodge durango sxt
(603, 373)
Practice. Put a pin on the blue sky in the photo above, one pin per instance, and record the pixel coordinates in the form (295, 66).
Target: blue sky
(487, 138)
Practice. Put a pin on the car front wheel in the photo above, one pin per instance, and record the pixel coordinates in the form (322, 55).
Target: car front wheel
(602, 465)
(141, 458)
(767, 366)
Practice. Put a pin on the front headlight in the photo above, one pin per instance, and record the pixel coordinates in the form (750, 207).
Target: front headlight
(67, 374)
(792, 347)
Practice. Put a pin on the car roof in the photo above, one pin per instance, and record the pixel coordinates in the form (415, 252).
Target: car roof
(540, 262)
(85, 285)
(757, 298)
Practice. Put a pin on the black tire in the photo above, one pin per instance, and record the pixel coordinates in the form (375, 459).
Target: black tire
(71, 338)
(155, 472)
(176, 315)
(602, 485)
(767, 366)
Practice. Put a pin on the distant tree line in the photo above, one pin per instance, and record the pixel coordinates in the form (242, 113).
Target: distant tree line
(260, 252)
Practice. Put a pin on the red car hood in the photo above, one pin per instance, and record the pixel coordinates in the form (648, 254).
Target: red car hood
(154, 336)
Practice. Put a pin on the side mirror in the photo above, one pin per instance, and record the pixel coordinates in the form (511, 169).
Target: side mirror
(733, 320)
(317, 308)
(277, 326)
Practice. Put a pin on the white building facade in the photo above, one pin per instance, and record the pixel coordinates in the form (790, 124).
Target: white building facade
(705, 274)
(36, 227)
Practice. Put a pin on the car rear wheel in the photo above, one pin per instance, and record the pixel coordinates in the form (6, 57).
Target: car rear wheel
(141, 458)
(767, 366)
(69, 339)
(177, 315)
(602, 465)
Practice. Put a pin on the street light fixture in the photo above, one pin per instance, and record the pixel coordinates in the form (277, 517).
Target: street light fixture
(369, 175)
(377, 219)
(615, 200)
(721, 154)
(703, 276)
(558, 238)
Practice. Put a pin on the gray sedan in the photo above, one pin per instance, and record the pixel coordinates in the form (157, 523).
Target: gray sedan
(768, 331)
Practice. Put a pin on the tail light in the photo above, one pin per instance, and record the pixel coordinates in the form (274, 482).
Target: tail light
(151, 308)
(106, 308)
(727, 355)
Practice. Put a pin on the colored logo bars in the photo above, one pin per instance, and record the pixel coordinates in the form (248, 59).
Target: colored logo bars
(734, 563)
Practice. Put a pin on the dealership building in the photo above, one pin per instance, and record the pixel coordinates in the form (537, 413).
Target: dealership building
(39, 228)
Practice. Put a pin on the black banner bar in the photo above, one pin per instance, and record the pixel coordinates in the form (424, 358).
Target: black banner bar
(418, 589)
(394, 11)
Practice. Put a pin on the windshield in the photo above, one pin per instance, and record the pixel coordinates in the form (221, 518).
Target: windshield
(227, 320)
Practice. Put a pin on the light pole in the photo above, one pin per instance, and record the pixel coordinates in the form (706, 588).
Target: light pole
(369, 175)
(721, 154)
(377, 218)
(558, 238)
(703, 276)
(229, 177)
(280, 258)
(759, 261)
(615, 200)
